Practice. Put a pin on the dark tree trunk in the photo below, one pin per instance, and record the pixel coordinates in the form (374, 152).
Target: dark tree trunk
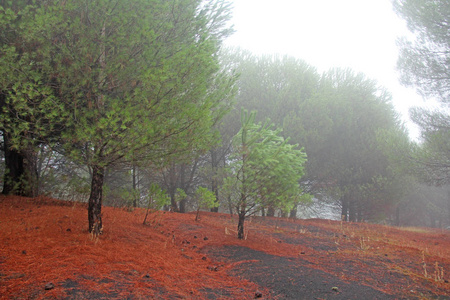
(270, 211)
(14, 170)
(352, 210)
(359, 213)
(21, 176)
(240, 228)
(344, 209)
(230, 205)
(172, 184)
(135, 187)
(293, 213)
(182, 206)
(95, 201)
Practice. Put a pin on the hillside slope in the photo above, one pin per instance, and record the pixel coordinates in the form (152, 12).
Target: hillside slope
(46, 252)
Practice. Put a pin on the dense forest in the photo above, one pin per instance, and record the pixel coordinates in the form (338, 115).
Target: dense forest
(138, 104)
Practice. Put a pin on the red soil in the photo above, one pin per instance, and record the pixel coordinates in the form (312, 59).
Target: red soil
(44, 240)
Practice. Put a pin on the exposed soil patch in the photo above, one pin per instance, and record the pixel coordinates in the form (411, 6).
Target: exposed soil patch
(291, 278)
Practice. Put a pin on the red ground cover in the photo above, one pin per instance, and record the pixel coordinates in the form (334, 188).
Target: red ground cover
(45, 240)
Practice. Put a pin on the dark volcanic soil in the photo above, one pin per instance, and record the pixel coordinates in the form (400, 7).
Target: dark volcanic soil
(291, 278)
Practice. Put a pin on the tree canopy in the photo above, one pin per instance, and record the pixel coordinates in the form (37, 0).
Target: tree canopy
(265, 169)
(135, 80)
(423, 62)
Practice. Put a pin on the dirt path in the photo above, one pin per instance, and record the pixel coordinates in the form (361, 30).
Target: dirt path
(291, 278)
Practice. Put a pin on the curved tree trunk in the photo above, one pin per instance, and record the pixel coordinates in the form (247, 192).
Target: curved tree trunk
(95, 201)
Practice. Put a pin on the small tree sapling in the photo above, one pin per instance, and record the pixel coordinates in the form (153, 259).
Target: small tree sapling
(157, 198)
(204, 198)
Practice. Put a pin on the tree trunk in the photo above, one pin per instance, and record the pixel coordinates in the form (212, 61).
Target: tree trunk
(214, 187)
(135, 187)
(293, 213)
(230, 205)
(14, 170)
(182, 206)
(241, 235)
(344, 209)
(173, 203)
(21, 176)
(95, 201)
(351, 210)
(270, 211)
(172, 187)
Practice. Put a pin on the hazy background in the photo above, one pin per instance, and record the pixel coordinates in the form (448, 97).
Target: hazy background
(356, 34)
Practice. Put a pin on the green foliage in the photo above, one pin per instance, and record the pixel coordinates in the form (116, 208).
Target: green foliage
(157, 199)
(423, 62)
(114, 81)
(265, 168)
(180, 194)
(204, 198)
(432, 156)
(147, 87)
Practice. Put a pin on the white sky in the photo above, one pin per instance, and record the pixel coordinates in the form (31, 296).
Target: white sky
(356, 34)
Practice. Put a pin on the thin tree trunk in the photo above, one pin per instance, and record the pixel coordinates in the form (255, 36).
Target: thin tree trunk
(241, 214)
(182, 206)
(135, 188)
(95, 201)
(351, 210)
(344, 208)
(230, 205)
(214, 187)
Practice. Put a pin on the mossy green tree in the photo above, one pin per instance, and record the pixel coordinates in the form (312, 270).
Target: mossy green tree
(265, 169)
(128, 80)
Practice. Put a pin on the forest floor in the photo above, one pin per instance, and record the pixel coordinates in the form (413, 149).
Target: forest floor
(46, 252)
